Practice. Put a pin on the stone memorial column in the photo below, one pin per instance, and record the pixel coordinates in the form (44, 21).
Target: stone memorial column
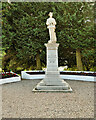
(52, 80)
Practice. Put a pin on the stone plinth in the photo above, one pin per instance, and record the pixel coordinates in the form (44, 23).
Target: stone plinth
(52, 80)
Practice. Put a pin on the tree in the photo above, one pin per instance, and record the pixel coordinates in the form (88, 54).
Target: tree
(22, 31)
(76, 28)
(25, 32)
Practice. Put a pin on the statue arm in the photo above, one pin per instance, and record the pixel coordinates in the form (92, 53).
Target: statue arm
(54, 22)
(47, 23)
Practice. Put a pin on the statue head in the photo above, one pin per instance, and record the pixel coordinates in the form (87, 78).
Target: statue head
(51, 21)
(50, 14)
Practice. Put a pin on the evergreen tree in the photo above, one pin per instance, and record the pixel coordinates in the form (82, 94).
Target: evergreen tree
(25, 32)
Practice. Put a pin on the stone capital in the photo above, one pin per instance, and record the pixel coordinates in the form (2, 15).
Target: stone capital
(52, 46)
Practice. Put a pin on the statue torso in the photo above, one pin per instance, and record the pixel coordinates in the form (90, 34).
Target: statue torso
(51, 21)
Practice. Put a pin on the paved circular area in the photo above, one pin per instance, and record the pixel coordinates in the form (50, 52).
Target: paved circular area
(18, 101)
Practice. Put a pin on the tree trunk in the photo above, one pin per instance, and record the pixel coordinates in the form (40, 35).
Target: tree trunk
(38, 62)
(78, 59)
(87, 68)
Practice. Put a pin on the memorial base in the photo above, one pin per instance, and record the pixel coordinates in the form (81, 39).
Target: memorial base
(49, 88)
(52, 81)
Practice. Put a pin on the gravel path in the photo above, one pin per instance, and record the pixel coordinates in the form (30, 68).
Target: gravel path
(20, 102)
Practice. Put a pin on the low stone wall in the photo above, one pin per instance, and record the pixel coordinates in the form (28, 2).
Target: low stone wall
(25, 75)
(9, 80)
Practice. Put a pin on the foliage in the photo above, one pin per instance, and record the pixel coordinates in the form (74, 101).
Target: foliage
(24, 32)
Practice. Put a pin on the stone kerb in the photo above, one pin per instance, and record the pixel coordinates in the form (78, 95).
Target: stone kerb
(10, 80)
(24, 75)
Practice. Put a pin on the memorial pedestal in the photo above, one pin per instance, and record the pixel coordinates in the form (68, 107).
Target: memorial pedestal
(52, 80)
